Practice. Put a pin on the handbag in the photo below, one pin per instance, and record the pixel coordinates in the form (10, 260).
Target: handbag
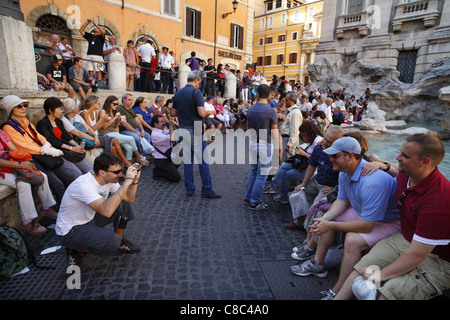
(90, 144)
(48, 162)
(32, 176)
(73, 156)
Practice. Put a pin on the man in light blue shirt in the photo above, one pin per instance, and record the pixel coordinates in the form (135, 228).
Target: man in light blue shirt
(365, 209)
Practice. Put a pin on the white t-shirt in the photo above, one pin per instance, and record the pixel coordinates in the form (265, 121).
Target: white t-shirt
(166, 61)
(147, 52)
(209, 107)
(74, 209)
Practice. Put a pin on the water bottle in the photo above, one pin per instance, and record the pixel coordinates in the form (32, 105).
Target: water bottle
(82, 143)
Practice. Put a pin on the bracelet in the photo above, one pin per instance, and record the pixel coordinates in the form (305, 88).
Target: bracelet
(20, 164)
(134, 183)
(388, 166)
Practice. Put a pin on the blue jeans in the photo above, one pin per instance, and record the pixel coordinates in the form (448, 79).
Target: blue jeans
(286, 176)
(137, 138)
(258, 173)
(188, 163)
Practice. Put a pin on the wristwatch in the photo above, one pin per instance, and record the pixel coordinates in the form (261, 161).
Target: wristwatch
(388, 166)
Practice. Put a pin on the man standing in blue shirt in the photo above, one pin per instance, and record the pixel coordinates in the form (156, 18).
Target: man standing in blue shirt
(262, 119)
(188, 106)
(365, 209)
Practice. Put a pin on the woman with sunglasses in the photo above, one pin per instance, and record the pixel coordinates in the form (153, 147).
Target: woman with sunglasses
(25, 137)
(111, 128)
(96, 121)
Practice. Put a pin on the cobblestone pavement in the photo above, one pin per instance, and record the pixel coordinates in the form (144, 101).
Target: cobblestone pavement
(191, 249)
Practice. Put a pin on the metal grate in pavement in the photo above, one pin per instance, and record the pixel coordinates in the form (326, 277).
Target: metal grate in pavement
(38, 284)
(287, 286)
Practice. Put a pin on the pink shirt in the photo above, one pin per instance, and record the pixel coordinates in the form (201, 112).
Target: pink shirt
(160, 140)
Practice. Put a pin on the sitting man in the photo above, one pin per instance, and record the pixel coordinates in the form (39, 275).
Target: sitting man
(132, 126)
(319, 185)
(164, 167)
(57, 75)
(93, 201)
(413, 263)
(365, 209)
(211, 122)
(80, 80)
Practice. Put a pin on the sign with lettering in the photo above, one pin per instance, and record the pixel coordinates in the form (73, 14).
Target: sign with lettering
(230, 55)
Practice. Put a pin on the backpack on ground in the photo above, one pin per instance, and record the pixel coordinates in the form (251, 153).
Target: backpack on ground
(13, 252)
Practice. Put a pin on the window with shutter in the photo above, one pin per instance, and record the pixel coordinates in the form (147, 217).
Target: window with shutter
(193, 23)
(280, 59)
(259, 61)
(268, 60)
(236, 36)
(293, 57)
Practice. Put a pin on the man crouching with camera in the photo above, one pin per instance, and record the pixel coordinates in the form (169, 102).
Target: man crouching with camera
(93, 201)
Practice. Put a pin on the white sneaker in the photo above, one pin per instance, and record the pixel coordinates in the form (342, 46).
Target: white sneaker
(269, 190)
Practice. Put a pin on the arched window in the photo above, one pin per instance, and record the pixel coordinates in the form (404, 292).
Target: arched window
(108, 32)
(48, 25)
(141, 40)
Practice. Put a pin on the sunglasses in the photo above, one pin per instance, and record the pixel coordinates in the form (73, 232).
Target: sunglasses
(401, 200)
(116, 103)
(337, 155)
(20, 106)
(115, 171)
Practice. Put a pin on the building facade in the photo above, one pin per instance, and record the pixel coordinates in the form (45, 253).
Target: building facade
(183, 26)
(409, 35)
(285, 35)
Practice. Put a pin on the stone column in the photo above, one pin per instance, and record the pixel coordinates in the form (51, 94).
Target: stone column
(17, 61)
(117, 79)
(183, 72)
(230, 86)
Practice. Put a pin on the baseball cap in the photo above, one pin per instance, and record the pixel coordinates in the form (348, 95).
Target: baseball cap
(209, 98)
(347, 144)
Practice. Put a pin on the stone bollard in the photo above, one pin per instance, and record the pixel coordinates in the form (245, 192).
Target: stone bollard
(230, 86)
(117, 77)
(183, 72)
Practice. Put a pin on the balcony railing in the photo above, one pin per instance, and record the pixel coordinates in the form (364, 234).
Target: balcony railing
(355, 21)
(426, 10)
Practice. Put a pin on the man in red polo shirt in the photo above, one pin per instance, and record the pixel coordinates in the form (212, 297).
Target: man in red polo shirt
(413, 264)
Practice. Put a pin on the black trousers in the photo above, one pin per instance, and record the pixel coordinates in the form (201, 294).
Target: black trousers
(210, 91)
(146, 78)
(166, 169)
(166, 77)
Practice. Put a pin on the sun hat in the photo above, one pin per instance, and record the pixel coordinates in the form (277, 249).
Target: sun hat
(70, 105)
(9, 102)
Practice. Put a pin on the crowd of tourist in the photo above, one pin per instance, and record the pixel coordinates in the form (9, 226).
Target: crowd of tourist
(393, 216)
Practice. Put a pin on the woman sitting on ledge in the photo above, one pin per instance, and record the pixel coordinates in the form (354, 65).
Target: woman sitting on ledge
(25, 137)
(25, 196)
